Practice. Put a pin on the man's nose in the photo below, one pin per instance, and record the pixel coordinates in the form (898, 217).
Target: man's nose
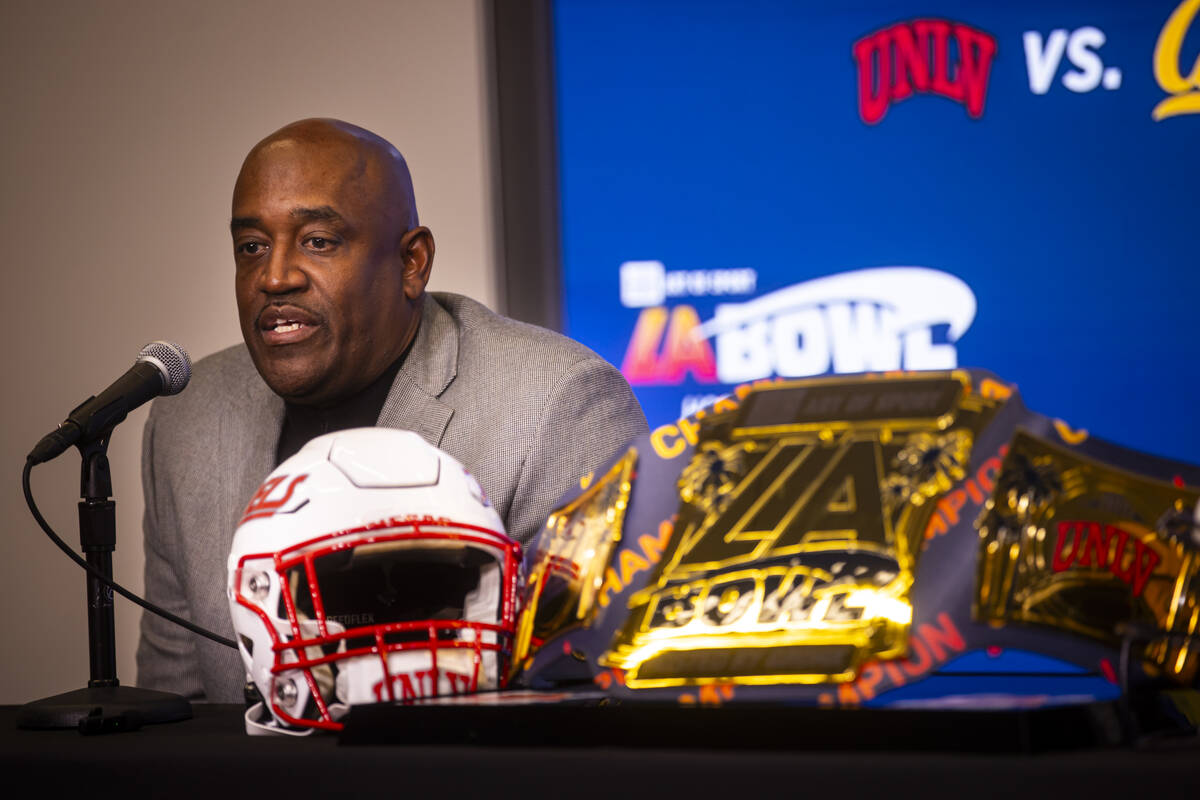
(283, 272)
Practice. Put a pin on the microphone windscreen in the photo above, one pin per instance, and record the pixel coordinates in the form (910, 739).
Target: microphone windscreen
(172, 361)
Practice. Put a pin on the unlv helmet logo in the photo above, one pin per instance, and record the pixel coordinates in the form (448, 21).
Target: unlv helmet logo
(263, 505)
(925, 56)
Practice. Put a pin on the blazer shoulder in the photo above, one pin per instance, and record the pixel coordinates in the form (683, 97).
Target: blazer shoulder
(494, 334)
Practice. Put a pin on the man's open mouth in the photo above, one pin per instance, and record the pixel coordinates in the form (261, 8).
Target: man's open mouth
(282, 325)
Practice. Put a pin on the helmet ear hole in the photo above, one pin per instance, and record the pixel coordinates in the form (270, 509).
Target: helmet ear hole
(370, 571)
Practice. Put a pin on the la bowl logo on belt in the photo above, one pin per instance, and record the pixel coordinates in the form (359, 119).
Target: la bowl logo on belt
(878, 319)
(1184, 91)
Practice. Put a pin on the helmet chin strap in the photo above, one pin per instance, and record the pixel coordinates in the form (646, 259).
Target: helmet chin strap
(415, 675)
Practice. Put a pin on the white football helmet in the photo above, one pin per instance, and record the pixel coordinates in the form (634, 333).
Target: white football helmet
(369, 567)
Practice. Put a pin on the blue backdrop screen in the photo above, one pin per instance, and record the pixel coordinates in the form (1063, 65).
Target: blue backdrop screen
(762, 189)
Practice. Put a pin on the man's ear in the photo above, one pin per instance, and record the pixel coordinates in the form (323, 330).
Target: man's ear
(416, 248)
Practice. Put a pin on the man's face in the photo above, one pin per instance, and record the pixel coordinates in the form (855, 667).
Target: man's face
(320, 269)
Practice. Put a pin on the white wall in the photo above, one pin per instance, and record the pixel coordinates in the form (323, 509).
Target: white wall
(124, 126)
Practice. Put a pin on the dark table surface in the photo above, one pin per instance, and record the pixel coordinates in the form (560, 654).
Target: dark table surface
(211, 755)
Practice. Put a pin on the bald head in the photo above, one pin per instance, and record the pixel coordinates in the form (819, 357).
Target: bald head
(331, 262)
(362, 154)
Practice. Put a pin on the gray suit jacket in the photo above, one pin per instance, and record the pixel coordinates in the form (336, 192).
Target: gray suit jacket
(526, 410)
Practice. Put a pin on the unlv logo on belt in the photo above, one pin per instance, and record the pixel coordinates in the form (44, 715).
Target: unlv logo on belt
(925, 56)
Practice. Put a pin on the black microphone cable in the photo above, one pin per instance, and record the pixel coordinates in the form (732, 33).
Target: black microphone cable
(95, 573)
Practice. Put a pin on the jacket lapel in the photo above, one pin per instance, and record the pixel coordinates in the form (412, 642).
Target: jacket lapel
(430, 366)
(250, 437)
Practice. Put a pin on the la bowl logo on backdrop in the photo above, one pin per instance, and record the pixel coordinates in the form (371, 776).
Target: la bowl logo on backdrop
(924, 56)
(1184, 91)
(883, 318)
(870, 319)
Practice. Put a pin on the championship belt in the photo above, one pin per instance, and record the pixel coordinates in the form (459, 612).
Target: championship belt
(828, 540)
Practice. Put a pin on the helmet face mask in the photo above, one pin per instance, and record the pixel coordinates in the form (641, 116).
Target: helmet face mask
(396, 591)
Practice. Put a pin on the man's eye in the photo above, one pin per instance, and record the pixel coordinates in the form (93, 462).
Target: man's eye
(250, 248)
(319, 243)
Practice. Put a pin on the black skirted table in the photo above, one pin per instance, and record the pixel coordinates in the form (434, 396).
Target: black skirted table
(547, 751)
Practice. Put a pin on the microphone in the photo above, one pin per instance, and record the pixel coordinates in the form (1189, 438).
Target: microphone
(161, 368)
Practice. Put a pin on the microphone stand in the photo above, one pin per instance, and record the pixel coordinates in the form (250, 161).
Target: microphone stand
(104, 705)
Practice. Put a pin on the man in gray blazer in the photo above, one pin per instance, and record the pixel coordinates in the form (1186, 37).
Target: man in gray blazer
(331, 268)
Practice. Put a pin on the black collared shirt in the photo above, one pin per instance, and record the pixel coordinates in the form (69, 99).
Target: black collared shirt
(361, 410)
